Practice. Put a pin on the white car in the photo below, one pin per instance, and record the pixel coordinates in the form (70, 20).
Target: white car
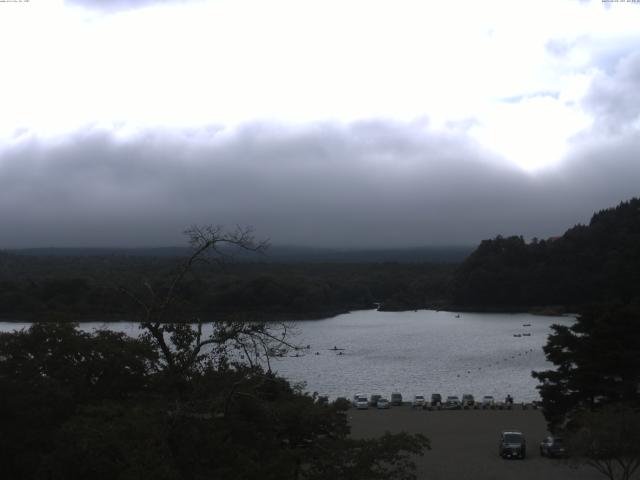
(361, 402)
(418, 401)
(488, 402)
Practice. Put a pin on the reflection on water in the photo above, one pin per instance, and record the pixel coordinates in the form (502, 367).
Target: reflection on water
(419, 352)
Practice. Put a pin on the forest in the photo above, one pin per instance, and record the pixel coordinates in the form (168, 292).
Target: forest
(83, 287)
(588, 264)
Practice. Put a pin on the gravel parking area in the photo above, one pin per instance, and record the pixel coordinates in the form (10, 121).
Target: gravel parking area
(465, 443)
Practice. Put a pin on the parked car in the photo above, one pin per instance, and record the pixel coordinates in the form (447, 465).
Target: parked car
(488, 402)
(323, 399)
(374, 400)
(436, 400)
(396, 399)
(553, 447)
(468, 401)
(512, 445)
(360, 401)
(418, 401)
(383, 404)
(452, 403)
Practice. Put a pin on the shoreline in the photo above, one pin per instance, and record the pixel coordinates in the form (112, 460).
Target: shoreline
(250, 316)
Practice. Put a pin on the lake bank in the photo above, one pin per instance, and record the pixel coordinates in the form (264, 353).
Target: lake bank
(286, 316)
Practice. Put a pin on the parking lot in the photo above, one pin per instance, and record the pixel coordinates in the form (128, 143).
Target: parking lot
(465, 442)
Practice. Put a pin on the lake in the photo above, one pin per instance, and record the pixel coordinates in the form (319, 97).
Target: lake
(419, 352)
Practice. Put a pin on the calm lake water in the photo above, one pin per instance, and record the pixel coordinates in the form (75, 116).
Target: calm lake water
(420, 352)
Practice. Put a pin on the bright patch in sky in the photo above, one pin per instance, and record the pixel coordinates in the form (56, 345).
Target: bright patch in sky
(513, 72)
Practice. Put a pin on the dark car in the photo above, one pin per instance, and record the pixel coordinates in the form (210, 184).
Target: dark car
(452, 403)
(436, 399)
(396, 399)
(512, 445)
(374, 400)
(553, 447)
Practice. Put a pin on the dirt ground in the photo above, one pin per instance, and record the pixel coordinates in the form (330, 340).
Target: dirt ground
(465, 443)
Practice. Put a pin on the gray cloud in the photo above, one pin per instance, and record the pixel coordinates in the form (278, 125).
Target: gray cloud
(559, 47)
(366, 184)
(605, 52)
(614, 98)
(527, 96)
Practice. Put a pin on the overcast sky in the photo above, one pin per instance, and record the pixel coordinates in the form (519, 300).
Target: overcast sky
(356, 123)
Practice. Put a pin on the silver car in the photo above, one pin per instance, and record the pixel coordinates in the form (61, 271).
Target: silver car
(361, 402)
(553, 447)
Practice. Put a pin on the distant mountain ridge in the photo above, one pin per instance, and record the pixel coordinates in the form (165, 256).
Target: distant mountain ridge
(594, 263)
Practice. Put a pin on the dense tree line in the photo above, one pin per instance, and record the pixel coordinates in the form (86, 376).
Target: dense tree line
(76, 405)
(589, 264)
(82, 287)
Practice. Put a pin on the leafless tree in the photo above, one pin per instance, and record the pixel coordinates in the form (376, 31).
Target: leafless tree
(182, 343)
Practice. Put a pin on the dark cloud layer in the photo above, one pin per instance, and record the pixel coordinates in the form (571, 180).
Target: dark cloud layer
(366, 184)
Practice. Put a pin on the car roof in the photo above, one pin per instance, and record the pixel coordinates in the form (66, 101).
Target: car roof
(511, 432)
